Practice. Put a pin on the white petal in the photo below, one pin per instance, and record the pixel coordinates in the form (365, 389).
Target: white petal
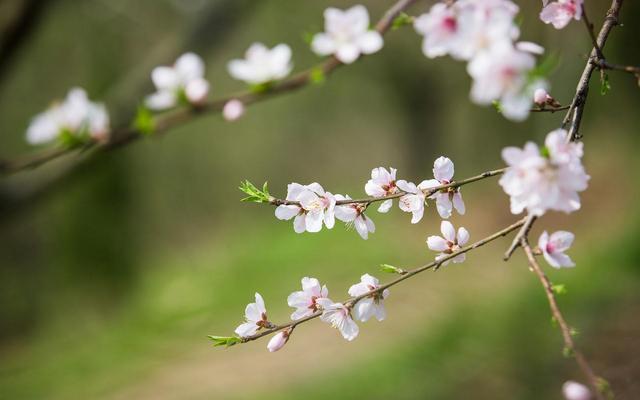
(287, 212)
(165, 78)
(189, 67)
(370, 42)
(349, 329)
(417, 214)
(161, 100)
(313, 222)
(298, 299)
(323, 45)
(361, 227)
(299, 225)
(443, 169)
(408, 187)
(444, 205)
(385, 206)
(458, 203)
(562, 240)
(436, 243)
(463, 236)
(347, 52)
(459, 258)
(448, 232)
(197, 90)
(246, 329)
(260, 303)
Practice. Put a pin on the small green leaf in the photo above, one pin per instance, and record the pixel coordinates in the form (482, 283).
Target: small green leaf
(391, 269)
(401, 20)
(574, 332)
(307, 37)
(261, 87)
(144, 122)
(559, 289)
(544, 152)
(317, 76)
(255, 195)
(71, 140)
(605, 86)
(567, 352)
(496, 104)
(226, 341)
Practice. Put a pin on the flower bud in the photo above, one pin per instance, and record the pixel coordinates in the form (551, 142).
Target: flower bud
(575, 391)
(540, 96)
(233, 110)
(278, 341)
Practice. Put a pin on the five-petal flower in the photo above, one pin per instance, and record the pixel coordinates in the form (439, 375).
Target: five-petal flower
(371, 305)
(262, 65)
(184, 80)
(305, 301)
(449, 242)
(553, 247)
(256, 318)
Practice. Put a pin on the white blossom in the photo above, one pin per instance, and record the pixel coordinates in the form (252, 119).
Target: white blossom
(185, 79)
(560, 13)
(382, 183)
(554, 246)
(339, 316)
(449, 198)
(256, 318)
(575, 391)
(413, 201)
(449, 242)
(233, 110)
(278, 340)
(315, 207)
(347, 34)
(539, 181)
(354, 214)
(262, 65)
(76, 116)
(306, 301)
(372, 305)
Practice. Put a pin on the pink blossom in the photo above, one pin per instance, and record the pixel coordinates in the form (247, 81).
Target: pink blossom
(256, 318)
(382, 183)
(233, 110)
(354, 214)
(185, 77)
(449, 198)
(315, 207)
(540, 97)
(449, 242)
(554, 246)
(575, 391)
(413, 201)
(372, 305)
(339, 316)
(306, 301)
(560, 13)
(262, 65)
(278, 340)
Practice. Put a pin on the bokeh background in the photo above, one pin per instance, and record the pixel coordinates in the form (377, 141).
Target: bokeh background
(111, 280)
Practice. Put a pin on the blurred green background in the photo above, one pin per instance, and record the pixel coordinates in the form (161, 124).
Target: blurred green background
(110, 282)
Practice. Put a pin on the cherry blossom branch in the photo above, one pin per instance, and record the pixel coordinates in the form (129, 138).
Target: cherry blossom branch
(435, 265)
(428, 192)
(574, 115)
(127, 135)
(605, 65)
(550, 109)
(567, 332)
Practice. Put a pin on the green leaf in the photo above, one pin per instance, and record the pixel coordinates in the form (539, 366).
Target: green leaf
(226, 341)
(401, 20)
(567, 352)
(391, 269)
(144, 122)
(71, 140)
(496, 104)
(261, 87)
(605, 86)
(544, 152)
(560, 288)
(317, 76)
(254, 194)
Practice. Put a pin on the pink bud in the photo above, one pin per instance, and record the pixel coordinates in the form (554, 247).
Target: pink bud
(540, 96)
(233, 110)
(278, 341)
(575, 391)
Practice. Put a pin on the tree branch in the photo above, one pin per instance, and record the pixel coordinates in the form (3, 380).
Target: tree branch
(127, 135)
(567, 331)
(408, 274)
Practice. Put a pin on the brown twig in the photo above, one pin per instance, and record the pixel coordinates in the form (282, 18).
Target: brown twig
(427, 192)
(567, 331)
(550, 109)
(127, 135)
(524, 231)
(432, 265)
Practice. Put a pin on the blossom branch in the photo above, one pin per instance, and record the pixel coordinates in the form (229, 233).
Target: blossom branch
(428, 192)
(127, 135)
(567, 332)
(404, 276)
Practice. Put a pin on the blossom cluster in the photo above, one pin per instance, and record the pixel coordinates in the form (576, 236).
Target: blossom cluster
(547, 178)
(484, 33)
(368, 301)
(311, 207)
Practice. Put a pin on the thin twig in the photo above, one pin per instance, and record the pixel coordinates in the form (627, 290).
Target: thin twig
(594, 41)
(550, 109)
(432, 265)
(524, 231)
(127, 135)
(567, 331)
(428, 192)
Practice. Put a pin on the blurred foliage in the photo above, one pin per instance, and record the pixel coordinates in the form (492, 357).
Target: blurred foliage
(110, 283)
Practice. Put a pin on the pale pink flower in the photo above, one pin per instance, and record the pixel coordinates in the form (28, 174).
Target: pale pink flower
(372, 305)
(554, 246)
(441, 30)
(233, 110)
(560, 13)
(278, 340)
(256, 318)
(354, 214)
(262, 65)
(449, 242)
(306, 301)
(339, 316)
(530, 47)
(540, 97)
(539, 182)
(347, 34)
(413, 201)
(575, 391)
(76, 115)
(184, 78)
(449, 198)
(315, 207)
(382, 183)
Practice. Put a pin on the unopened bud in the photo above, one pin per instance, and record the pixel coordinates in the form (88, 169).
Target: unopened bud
(233, 110)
